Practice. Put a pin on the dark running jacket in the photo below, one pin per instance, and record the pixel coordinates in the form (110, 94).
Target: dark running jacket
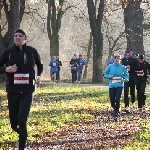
(133, 63)
(74, 64)
(59, 64)
(25, 60)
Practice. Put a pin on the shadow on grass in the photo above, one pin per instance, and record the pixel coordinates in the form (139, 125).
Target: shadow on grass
(68, 143)
(3, 108)
(50, 97)
(2, 98)
(54, 116)
(80, 141)
(7, 145)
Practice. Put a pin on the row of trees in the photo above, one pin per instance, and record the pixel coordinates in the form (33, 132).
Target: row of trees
(11, 14)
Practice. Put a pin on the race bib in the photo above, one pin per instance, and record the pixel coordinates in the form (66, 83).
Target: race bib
(140, 73)
(73, 68)
(21, 78)
(116, 79)
(128, 68)
(54, 64)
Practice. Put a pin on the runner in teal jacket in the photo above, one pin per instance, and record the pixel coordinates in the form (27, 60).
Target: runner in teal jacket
(117, 75)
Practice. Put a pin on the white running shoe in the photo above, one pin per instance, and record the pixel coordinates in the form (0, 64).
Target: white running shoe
(143, 108)
(127, 110)
(133, 107)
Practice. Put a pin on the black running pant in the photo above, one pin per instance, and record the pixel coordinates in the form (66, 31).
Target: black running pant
(115, 95)
(19, 106)
(74, 76)
(129, 85)
(140, 87)
(57, 76)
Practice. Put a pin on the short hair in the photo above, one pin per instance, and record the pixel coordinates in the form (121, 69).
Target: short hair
(112, 54)
(54, 57)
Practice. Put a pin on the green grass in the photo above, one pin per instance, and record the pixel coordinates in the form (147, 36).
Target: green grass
(56, 106)
(143, 138)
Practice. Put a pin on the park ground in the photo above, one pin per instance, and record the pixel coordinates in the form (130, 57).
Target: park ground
(77, 117)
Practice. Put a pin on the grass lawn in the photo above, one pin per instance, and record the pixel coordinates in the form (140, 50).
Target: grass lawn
(59, 111)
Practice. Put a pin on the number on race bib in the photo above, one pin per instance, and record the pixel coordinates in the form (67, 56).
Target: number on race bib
(116, 79)
(21, 78)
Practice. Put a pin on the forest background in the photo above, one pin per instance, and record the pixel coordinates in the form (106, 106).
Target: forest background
(74, 30)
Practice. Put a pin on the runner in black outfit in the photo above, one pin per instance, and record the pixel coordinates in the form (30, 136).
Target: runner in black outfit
(141, 79)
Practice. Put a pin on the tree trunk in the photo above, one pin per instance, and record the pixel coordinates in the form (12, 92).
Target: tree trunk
(1, 38)
(13, 16)
(97, 60)
(88, 57)
(53, 25)
(14, 19)
(54, 45)
(95, 24)
(133, 18)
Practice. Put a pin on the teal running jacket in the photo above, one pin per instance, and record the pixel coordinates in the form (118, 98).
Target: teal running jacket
(119, 73)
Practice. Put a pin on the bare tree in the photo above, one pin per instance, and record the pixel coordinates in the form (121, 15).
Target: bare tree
(54, 17)
(113, 29)
(88, 56)
(96, 24)
(13, 12)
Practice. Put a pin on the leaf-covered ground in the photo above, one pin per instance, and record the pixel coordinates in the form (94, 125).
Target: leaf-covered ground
(91, 126)
(101, 133)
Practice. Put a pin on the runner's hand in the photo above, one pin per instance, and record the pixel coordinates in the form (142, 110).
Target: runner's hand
(123, 80)
(11, 69)
(38, 80)
(111, 76)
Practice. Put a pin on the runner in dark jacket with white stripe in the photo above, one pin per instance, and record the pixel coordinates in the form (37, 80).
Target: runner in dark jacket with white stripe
(142, 73)
(20, 61)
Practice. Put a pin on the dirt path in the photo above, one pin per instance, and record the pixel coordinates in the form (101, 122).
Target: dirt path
(82, 85)
(85, 85)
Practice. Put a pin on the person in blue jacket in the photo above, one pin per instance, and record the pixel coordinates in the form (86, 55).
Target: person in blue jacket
(111, 60)
(81, 62)
(117, 75)
(54, 68)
